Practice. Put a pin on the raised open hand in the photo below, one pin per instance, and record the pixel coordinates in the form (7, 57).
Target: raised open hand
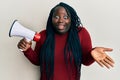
(100, 56)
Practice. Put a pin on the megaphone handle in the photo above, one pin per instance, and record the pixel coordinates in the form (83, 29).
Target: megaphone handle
(28, 40)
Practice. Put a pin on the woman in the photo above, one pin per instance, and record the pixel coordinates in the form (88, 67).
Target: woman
(64, 46)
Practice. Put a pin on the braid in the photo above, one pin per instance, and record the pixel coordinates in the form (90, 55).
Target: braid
(47, 50)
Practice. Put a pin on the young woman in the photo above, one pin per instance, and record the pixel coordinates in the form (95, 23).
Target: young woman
(64, 46)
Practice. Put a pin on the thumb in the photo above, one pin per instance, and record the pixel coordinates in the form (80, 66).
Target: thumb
(108, 49)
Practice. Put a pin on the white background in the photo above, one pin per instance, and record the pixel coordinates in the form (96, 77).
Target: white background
(100, 17)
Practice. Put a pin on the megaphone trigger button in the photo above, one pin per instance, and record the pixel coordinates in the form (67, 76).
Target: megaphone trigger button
(37, 37)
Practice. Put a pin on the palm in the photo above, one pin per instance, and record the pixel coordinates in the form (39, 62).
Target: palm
(101, 57)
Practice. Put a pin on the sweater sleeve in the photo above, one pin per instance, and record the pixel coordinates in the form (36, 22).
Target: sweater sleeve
(32, 56)
(86, 45)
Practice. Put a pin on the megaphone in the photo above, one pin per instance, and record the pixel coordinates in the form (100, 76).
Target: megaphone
(20, 31)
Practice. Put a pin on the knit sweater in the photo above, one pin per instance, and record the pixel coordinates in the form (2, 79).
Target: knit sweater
(61, 71)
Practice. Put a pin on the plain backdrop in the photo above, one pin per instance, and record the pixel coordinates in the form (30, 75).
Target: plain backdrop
(100, 17)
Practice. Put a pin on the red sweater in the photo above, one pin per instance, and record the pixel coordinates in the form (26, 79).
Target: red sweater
(61, 72)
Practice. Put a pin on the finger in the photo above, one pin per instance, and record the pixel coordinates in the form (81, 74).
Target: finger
(100, 63)
(27, 42)
(108, 49)
(105, 64)
(24, 41)
(110, 59)
(22, 49)
(23, 45)
(108, 62)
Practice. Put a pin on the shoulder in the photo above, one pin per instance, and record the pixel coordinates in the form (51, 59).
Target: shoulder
(82, 30)
(84, 35)
(43, 32)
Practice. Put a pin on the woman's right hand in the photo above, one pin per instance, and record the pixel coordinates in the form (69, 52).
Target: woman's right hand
(24, 45)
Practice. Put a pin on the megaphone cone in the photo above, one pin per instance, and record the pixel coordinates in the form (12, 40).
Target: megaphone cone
(18, 30)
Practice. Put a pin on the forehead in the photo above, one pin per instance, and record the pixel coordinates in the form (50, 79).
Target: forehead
(60, 9)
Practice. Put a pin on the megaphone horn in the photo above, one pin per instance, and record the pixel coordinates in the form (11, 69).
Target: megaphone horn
(18, 30)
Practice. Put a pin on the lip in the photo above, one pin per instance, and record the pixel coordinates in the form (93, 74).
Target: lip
(61, 27)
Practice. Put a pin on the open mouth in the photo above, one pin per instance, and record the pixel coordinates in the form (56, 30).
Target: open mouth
(61, 27)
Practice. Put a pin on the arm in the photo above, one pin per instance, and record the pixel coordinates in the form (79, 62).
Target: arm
(86, 45)
(32, 55)
(98, 53)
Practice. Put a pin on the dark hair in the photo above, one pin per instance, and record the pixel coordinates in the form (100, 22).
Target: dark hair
(72, 45)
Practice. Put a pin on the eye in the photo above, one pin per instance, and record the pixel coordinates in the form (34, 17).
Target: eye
(57, 17)
(66, 17)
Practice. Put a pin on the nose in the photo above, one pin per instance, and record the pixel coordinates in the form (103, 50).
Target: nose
(60, 20)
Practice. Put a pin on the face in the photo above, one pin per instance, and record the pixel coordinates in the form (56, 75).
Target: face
(61, 20)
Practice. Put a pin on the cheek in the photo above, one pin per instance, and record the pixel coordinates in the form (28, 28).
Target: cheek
(54, 20)
(68, 22)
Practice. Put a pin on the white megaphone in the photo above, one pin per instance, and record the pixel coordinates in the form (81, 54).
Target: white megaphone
(18, 30)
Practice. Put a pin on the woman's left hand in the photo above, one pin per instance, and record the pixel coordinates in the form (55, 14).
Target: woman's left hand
(99, 55)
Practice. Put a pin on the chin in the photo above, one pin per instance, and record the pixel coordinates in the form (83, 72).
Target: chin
(61, 32)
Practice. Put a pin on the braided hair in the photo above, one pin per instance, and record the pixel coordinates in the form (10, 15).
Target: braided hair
(72, 46)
